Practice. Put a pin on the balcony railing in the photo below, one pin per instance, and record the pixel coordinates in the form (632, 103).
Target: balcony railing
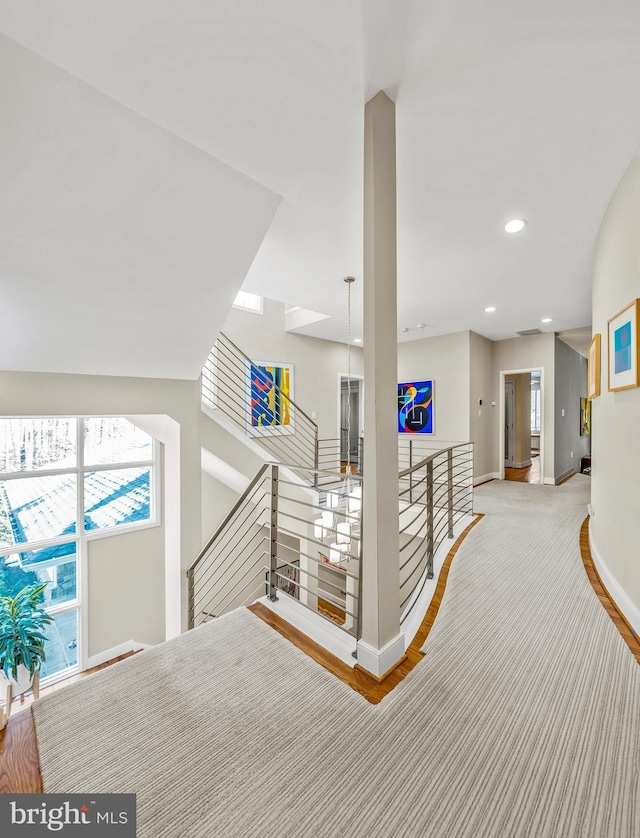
(434, 494)
(285, 538)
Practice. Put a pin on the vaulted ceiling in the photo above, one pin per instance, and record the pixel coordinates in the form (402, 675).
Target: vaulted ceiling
(157, 155)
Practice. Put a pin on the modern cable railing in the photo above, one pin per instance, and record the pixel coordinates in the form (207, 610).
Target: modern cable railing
(434, 494)
(333, 456)
(285, 538)
(297, 529)
(250, 396)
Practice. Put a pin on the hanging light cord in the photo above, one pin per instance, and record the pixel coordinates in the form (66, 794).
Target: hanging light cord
(349, 280)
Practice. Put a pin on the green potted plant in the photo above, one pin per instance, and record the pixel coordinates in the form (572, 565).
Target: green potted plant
(22, 623)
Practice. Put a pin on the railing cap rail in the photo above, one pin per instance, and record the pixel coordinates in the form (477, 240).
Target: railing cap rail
(201, 555)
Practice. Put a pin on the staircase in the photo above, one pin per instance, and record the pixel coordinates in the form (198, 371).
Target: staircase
(296, 531)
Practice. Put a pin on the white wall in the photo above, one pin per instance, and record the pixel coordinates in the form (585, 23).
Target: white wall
(535, 352)
(445, 359)
(615, 478)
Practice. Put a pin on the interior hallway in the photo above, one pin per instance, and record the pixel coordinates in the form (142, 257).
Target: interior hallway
(523, 719)
(528, 474)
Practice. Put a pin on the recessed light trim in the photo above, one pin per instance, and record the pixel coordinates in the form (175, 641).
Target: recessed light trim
(547, 320)
(420, 325)
(516, 225)
(404, 329)
(489, 309)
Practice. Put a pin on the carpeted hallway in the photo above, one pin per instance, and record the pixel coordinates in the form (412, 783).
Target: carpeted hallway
(522, 720)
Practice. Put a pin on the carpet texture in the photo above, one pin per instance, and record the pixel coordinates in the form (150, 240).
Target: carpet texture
(522, 720)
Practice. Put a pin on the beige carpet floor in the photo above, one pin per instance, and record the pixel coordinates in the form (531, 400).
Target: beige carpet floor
(523, 721)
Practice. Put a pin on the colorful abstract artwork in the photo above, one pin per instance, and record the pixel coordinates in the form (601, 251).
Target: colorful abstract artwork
(622, 347)
(415, 407)
(585, 417)
(623, 356)
(269, 393)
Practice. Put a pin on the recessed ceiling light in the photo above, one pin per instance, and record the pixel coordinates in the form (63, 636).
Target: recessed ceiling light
(547, 320)
(489, 309)
(516, 225)
(404, 329)
(357, 340)
(421, 325)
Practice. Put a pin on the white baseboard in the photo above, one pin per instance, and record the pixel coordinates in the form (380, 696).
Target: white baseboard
(616, 592)
(564, 475)
(523, 464)
(379, 661)
(484, 478)
(116, 651)
(549, 481)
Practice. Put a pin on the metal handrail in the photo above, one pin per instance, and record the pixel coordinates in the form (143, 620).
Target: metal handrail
(275, 517)
(239, 503)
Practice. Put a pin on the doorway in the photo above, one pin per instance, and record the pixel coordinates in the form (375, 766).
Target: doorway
(350, 423)
(521, 437)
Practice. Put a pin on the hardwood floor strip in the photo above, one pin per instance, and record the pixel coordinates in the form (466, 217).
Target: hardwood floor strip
(19, 764)
(357, 678)
(608, 603)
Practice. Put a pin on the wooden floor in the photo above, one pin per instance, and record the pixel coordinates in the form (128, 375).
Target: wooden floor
(619, 620)
(355, 677)
(529, 474)
(19, 766)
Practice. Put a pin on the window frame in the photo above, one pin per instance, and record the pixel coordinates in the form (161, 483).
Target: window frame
(82, 536)
(249, 309)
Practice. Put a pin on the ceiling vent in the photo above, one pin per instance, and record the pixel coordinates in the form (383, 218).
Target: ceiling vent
(529, 332)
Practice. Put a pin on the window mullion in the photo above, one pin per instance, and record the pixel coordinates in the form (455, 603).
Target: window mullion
(80, 481)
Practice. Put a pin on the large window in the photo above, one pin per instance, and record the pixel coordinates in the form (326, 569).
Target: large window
(63, 482)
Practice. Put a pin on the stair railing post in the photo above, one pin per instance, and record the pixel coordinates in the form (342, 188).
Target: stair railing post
(316, 458)
(273, 537)
(430, 519)
(191, 589)
(450, 490)
(411, 473)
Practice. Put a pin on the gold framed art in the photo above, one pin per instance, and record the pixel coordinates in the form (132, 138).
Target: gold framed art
(593, 363)
(622, 348)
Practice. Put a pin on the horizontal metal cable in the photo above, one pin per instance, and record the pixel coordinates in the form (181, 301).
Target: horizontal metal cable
(236, 591)
(311, 538)
(348, 557)
(226, 539)
(327, 597)
(320, 581)
(221, 569)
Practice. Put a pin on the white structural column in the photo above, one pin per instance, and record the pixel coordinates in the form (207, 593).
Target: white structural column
(382, 644)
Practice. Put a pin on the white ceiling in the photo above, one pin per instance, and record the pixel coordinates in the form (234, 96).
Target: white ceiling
(503, 110)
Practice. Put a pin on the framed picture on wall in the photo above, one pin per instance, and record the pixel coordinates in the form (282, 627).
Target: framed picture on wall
(269, 394)
(585, 417)
(415, 407)
(622, 348)
(593, 387)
